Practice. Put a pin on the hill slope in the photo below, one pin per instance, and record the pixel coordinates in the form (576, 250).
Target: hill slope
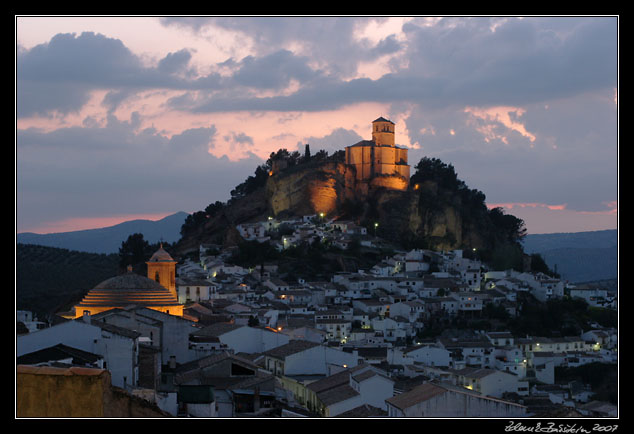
(49, 279)
(108, 240)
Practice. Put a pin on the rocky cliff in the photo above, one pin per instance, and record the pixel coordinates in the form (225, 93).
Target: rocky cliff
(321, 188)
(428, 214)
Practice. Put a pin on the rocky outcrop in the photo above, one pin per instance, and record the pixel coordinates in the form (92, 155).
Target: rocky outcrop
(422, 215)
(310, 190)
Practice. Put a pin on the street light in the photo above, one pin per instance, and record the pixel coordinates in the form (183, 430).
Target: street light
(376, 225)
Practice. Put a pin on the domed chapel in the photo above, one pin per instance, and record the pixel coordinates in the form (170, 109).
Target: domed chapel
(156, 291)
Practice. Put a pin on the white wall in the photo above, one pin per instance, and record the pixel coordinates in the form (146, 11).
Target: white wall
(431, 356)
(376, 390)
(119, 352)
(175, 335)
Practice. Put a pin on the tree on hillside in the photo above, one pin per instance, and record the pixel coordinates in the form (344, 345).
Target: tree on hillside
(512, 228)
(433, 169)
(134, 250)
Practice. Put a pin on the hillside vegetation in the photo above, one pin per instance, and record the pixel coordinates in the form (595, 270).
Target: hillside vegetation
(50, 279)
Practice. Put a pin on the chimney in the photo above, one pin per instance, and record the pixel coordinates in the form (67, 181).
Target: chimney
(172, 362)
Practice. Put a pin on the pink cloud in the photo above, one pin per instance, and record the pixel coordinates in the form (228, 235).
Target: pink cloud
(502, 115)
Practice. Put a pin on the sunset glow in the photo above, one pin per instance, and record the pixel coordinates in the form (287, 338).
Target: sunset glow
(112, 123)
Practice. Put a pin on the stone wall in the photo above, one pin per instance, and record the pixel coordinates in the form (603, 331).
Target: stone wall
(43, 391)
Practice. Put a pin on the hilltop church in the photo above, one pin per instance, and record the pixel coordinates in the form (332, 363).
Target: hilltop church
(379, 156)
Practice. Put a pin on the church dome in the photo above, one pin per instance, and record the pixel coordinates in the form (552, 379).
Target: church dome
(125, 290)
(129, 281)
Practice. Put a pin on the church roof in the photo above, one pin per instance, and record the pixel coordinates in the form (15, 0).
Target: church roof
(364, 143)
(128, 289)
(161, 256)
(129, 281)
(382, 119)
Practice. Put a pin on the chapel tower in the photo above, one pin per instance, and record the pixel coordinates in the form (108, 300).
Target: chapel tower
(383, 132)
(162, 269)
(379, 161)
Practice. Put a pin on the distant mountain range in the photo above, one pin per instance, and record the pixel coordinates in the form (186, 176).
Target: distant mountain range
(578, 256)
(108, 240)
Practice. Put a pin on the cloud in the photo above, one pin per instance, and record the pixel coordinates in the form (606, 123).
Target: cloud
(467, 61)
(523, 60)
(61, 74)
(337, 140)
(174, 62)
(330, 42)
(200, 139)
(238, 139)
(523, 108)
(273, 71)
(116, 169)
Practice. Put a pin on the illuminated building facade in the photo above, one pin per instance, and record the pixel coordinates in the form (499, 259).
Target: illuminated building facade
(157, 291)
(379, 156)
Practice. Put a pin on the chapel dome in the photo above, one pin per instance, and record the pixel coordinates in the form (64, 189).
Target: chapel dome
(125, 290)
(129, 281)
(161, 256)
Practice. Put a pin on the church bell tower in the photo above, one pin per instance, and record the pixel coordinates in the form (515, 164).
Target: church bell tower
(162, 268)
(383, 132)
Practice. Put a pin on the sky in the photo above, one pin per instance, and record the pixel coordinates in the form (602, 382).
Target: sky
(126, 117)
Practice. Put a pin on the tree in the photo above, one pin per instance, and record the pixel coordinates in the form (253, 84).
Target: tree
(193, 221)
(213, 208)
(433, 169)
(134, 250)
(538, 265)
(512, 228)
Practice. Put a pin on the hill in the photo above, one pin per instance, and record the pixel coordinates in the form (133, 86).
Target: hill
(49, 279)
(435, 210)
(578, 256)
(108, 240)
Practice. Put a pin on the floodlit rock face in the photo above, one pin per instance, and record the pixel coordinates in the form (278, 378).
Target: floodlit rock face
(403, 212)
(312, 190)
